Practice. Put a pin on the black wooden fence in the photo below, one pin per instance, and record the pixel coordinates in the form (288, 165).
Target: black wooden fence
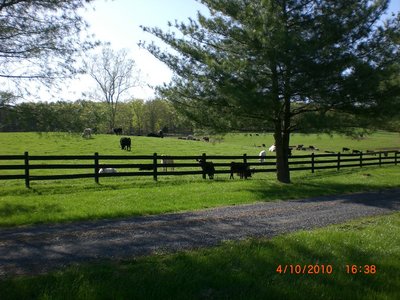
(149, 165)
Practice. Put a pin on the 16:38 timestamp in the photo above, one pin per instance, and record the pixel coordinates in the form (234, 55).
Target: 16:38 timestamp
(363, 269)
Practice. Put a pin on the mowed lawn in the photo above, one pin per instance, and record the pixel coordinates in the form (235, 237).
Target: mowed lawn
(71, 200)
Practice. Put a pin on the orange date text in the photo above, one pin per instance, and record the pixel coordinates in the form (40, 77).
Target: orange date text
(304, 269)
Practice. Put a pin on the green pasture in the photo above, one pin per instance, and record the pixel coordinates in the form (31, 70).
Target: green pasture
(241, 270)
(71, 200)
(230, 144)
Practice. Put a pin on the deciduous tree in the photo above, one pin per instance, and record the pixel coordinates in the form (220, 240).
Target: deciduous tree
(39, 40)
(115, 75)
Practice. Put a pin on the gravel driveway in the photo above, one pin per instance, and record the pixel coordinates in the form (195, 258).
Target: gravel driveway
(38, 249)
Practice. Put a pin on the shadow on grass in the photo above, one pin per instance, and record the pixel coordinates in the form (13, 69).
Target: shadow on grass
(8, 210)
(75, 186)
(245, 270)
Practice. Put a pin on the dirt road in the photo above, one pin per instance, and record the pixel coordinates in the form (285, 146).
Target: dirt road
(38, 249)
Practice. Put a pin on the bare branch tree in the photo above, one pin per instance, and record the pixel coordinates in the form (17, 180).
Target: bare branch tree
(115, 75)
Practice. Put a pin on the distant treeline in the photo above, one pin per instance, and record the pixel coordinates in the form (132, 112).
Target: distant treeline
(134, 117)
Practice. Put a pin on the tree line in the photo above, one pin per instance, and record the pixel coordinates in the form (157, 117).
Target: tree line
(135, 117)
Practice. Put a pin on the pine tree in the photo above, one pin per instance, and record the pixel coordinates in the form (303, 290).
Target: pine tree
(281, 63)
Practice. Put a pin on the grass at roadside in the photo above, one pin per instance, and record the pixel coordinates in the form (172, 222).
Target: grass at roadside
(52, 202)
(240, 270)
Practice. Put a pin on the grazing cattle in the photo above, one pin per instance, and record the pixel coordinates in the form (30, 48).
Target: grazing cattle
(107, 171)
(190, 137)
(356, 152)
(207, 167)
(371, 152)
(242, 169)
(272, 148)
(146, 167)
(299, 147)
(87, 133)
(262, 155)
(345, 149)
(167, 162)
(125, 143)
(206, 139)
(117, 131)
(152, 134)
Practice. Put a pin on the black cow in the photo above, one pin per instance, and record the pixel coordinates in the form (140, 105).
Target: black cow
(242, 169)
(125, 143)
(118, 131)
(207, 167)
(147, 167)
(152, 134)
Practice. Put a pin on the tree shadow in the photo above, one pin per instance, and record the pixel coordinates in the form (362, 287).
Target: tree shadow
(367, 194)
(244, 270)
(8, 210)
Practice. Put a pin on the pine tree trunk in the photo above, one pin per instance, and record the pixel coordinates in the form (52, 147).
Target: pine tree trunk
(282, 157)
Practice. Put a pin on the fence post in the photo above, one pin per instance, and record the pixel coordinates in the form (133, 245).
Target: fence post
(312, 162)
(155, 166)
(96, 167)
(395, 158)
(245, 158)
(203, 157)
(338, 161)
(380, 159)
(26, 160)
(361, 158)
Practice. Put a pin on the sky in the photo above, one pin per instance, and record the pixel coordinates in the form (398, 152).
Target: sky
(118, 22)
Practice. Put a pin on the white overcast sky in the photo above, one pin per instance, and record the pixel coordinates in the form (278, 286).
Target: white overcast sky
(118, 21)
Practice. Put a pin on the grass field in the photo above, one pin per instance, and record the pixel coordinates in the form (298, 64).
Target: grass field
(71, 200)
(231, 144)
(235, 270)
(241, 270)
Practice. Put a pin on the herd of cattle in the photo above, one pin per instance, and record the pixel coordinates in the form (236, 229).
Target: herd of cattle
(242, 169)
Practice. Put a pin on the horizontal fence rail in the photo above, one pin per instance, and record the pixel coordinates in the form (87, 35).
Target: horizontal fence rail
(151, 165)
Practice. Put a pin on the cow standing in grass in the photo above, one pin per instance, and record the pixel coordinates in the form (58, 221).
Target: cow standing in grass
(242, 169)
(207, 167)
(87, 133)
(117, 131)
(262, 156)
(125, 143)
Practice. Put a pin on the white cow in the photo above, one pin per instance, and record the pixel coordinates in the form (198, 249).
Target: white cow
(262, 155)
(272, 148)
(167, 161)
(107, 171)
(87, 133)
